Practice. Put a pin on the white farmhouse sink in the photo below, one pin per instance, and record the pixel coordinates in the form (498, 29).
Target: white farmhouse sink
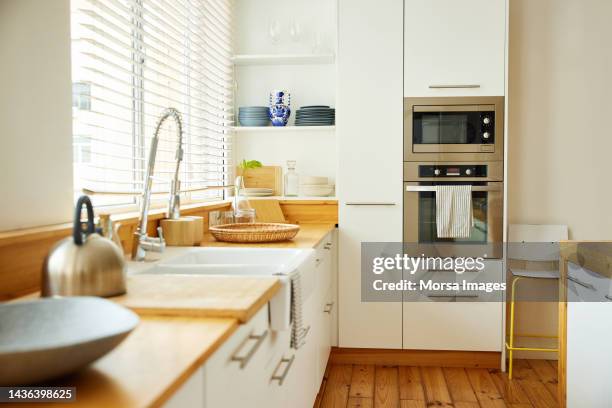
(217, 269)
(250, 262)
(240, 256)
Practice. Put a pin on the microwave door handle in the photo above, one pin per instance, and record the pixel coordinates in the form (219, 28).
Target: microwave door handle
(415, 189)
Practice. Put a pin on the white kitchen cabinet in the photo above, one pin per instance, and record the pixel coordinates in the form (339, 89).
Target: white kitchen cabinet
(589, 336)
(191, 394)
(274, 375)
(256, 365)
(300, 383)
(459, 44)
(369, 128)
(447, 323)
(234, 372)
(325, 303)
(334, 290)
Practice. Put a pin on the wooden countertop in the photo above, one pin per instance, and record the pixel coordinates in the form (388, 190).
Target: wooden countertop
(238, 297)
(593, 255)
(309, 236)
(168, 347)
(150, 365)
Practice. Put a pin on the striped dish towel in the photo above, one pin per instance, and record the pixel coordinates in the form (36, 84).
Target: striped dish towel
(298, 332)
(454, 211)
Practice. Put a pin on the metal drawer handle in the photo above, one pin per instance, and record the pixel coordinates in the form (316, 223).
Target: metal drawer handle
(581, 283)
(244, 360)
(608, 297)
(432, 189)
(281, 378)
(328, 245)
(328, 307)
(368, 203)
(454, 86)
(452, 295)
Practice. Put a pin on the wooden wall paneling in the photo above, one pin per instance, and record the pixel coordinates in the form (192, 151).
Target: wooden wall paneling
(22, 252)
(21, 267)
(310, 212)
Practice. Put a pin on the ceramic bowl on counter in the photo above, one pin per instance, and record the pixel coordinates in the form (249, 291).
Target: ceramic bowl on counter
(317, 180)
(44, 339)
(316, 190)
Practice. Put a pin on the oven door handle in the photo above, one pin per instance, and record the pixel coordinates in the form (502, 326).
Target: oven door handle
(453, 86)
(416, 189)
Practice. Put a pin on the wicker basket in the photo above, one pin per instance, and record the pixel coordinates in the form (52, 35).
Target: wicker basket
(256, 232)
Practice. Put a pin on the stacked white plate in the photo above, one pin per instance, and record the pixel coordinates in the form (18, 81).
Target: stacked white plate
(315, 186)
(257, 192)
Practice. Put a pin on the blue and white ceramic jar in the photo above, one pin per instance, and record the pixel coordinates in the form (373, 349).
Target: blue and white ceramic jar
(280, 110)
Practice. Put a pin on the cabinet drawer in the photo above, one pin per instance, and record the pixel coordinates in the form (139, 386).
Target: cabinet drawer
(191, 394)
(324, 268)
(492, 273)
(290, 376)
(324, 340)
(454, 322)
(233, 373)
(470, 326)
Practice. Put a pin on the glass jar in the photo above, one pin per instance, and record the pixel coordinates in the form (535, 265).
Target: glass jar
(291, 180)
(244, 216)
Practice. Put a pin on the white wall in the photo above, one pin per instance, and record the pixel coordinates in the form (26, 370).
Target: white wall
(35, 113)
(315, 151)
(560, 103)
(560, 82)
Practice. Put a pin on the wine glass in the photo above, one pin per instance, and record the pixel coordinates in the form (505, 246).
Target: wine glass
(295, 30)
(274, 31)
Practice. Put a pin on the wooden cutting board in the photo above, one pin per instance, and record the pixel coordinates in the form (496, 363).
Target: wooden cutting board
(238, 297)
(263, 177)
(267, 210)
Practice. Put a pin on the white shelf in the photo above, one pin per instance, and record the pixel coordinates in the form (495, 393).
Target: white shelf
(282, 129)
(283, 59)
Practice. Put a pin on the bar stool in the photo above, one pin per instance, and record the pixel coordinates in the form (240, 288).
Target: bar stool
(549, 236)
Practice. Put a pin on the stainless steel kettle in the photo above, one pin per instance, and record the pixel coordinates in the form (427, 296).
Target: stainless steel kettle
(85, 264)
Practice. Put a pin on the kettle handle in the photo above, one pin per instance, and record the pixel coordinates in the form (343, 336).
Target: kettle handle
(77, 230)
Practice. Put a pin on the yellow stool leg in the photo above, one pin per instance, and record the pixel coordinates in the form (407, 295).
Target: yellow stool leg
(510, 351)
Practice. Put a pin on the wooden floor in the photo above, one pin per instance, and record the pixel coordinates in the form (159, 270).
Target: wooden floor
(534, 385)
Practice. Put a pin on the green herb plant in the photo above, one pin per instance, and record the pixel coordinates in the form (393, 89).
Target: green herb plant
(239, 184)
(249, 164)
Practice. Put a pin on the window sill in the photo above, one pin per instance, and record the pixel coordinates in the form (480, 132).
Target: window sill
(125, 216)
(128, 216)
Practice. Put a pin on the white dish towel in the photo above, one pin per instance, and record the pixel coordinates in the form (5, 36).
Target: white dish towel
(298, 332)
(280, 306)
(454, 218)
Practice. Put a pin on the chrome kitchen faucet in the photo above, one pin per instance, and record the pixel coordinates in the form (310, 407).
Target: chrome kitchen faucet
(142, 243)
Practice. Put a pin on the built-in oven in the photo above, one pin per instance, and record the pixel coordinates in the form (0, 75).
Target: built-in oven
(486, 181)
(453, 129)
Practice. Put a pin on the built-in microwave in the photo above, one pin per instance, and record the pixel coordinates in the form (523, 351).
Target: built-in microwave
(454, 129)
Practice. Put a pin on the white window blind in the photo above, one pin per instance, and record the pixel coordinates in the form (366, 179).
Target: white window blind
(131, 60)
